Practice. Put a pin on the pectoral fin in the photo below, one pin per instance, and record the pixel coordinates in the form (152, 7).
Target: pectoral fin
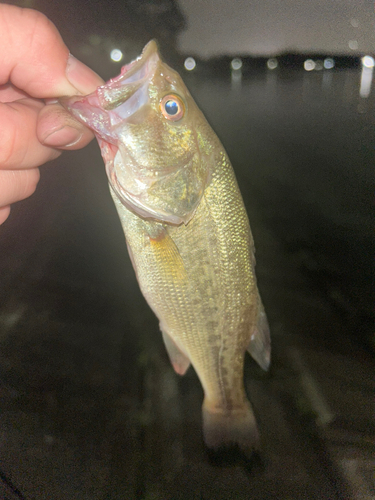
(167, 255)
(179, 360)
(260, 343)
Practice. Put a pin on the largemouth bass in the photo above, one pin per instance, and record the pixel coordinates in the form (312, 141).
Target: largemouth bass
(187, 233)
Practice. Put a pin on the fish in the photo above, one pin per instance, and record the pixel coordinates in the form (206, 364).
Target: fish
(187, 233)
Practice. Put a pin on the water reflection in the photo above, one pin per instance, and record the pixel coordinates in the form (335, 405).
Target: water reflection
(236, 74)
(327, 79)
(366, 76)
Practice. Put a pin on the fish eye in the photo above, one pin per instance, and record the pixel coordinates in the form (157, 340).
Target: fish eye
(172, 107)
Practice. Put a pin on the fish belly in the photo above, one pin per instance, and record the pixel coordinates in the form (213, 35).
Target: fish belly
(199, 280)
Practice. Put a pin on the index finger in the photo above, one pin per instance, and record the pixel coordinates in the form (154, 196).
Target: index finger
(35, 59)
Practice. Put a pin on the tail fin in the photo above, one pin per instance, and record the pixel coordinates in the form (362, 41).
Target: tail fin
(225, 428)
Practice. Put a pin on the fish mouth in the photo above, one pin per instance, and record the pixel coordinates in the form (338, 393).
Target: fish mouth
(125, 94)
(145, 60)
(119, 99)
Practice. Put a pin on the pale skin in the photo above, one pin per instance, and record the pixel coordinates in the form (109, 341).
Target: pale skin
(35, 69)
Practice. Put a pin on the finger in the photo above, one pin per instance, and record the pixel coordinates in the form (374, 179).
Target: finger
(58, 129)
(36, 59)
(9, 93)
(4, 213)
(19, 145)
(16, 185)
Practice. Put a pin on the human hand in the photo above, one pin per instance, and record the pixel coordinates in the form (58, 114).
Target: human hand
(35, 66)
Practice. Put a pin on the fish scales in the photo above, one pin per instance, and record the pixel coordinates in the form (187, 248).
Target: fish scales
(190, 308)
(187, 233)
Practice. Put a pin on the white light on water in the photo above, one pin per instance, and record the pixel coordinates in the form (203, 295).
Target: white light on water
(116, 55)
(329, 63)
(309, 65)
(272, 63)
(236, 64)
(190, 63)
(353, 44)
(368, 62)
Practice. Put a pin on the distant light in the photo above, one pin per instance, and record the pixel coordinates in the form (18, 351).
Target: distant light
(309, 65)
(318, 65)
(190, 63)
(368, 62)
(354, 22)
(236, 64)
(116, 55)
(272, 63)
(329, 63)
(353, 44)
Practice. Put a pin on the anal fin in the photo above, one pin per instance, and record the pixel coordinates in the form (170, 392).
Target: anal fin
(259, 347)
(179, 360)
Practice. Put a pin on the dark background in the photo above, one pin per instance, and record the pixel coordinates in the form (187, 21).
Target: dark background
(89, 405)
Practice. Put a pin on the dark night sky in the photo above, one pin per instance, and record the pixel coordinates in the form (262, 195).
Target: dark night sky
(209, 28)
(268, 27)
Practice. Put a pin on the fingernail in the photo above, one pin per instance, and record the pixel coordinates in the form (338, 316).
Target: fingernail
(81, 76)
(63, 137)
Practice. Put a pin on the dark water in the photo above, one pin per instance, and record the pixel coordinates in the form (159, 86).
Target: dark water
(91, 409)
